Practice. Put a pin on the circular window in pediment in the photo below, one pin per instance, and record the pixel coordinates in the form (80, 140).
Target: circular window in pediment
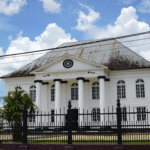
(68, 63)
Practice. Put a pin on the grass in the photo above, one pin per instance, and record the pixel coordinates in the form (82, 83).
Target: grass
(84, 143)
(128, 139)
(92, 143)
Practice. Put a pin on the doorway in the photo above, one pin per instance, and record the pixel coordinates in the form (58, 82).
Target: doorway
(74, 119)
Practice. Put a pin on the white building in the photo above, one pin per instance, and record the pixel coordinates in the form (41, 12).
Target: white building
(92, 74)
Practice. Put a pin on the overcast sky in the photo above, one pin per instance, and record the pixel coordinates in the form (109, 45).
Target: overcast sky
(29, 25)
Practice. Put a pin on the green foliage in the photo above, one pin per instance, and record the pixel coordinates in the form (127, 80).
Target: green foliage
(15, 105)
(1, 120)
(13, 109)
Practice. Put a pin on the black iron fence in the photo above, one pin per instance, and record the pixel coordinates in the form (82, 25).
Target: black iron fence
(116, 126)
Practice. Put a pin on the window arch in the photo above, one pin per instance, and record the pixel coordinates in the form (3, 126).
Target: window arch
(95, 90)
(53, 92)
(33, 93)
(121, 90)
(74, 91)
(140, 90)
(19, 88)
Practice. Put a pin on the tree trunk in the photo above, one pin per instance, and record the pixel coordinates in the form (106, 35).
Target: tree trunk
(17, 131)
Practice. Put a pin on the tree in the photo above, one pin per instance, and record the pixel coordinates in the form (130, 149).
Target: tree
(13, 110)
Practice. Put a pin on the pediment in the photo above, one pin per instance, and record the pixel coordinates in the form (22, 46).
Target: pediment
(58, 65)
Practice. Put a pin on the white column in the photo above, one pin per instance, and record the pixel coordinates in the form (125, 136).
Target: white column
(45, 101)
(38, 100)
(38, 95)
(102, 97)
(57, 100)
(81, 99)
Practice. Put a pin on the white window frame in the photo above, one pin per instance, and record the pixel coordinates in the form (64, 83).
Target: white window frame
(74, 91)
(95, 91)
(33, 93)
(121, 89)
(140, 88)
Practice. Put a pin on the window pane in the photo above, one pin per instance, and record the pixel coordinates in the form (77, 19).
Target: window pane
(33, 93)
(121, 92)
(140, 91)
(74, 93)
(96, 114)
(141, 113)
(95, 90)
(52, 94)
(52, 115)
(123, 114)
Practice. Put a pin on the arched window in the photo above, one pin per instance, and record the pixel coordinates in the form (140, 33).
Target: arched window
(140, 90)
(19, 88)
(74, 91)
(121, 90)
(53, 93)
(95, 90)
(33, 93)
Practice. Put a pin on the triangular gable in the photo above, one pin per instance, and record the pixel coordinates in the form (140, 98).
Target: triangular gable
(78, 64)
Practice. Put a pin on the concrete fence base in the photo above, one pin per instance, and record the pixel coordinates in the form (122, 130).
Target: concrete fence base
(72, 147)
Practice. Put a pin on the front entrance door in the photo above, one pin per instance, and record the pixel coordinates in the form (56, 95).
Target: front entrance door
(74, 119)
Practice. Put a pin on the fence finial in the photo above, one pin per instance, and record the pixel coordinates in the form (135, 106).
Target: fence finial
(69, 104)
(118, 102)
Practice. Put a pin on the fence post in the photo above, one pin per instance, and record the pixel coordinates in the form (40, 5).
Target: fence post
(25, 124)
(69, 122)
(119, 122)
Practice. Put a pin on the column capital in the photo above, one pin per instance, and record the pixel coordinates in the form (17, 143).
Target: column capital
(101, 77)
(40, 81)
(57, 80)
(45, 83)
(80, 78)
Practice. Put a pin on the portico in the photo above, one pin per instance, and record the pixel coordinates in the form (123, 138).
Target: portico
(80, 103)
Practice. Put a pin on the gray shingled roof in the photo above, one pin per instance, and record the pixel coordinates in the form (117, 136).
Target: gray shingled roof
(110, 53)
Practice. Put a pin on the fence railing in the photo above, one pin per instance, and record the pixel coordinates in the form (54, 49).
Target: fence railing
(120, 125)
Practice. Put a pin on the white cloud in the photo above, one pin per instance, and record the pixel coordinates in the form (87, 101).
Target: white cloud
(127, 2)
(10, 7)
(51, 6)
(126, 23)
(144, 6)
(53, 36)
(86, 22)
